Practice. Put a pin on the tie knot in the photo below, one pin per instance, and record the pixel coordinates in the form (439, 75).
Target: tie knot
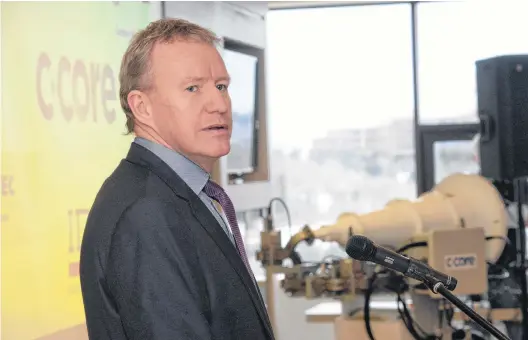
(213, 190)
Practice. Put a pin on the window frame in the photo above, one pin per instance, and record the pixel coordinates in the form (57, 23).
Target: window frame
(428, 135)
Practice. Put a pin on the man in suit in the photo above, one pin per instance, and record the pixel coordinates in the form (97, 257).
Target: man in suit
(159, 259)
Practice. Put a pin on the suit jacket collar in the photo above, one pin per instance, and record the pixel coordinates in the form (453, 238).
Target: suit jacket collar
(141, 156)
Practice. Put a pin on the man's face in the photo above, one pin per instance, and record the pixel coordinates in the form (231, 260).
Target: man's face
(189, 102)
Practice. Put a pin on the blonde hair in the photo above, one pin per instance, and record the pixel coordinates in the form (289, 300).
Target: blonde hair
(135, 64)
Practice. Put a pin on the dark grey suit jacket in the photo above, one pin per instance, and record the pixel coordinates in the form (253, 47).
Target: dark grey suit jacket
(155, 263)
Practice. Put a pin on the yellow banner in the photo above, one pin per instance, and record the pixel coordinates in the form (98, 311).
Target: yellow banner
(62, 135)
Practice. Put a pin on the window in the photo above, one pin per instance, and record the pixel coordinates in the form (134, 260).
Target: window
(448, 50)
(340, 106)
(454, 156)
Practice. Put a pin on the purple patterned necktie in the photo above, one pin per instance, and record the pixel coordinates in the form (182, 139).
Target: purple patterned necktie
(216, 192)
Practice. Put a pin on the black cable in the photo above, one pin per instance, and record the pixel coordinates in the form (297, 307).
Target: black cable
(409, 322)
(412, 326)
(406, 316)
(505, 239)
(366, 306)
(370, 290)
(412, 245)
(288, 216)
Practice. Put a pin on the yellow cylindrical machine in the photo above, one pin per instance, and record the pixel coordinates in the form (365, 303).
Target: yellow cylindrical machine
(459, 201)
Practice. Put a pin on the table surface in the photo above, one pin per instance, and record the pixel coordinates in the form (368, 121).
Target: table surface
(334, 308)
(328, 311)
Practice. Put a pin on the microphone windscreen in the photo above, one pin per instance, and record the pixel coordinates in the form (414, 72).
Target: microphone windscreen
(360, 248)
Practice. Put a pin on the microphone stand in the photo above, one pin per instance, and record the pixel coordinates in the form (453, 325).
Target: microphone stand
(438, 288)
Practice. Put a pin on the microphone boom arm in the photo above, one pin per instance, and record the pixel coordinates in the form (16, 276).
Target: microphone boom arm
(438, 288)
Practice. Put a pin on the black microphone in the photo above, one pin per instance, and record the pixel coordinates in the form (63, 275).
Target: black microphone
(362, 249)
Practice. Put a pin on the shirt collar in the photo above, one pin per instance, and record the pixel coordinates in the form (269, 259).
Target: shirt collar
(191, 173)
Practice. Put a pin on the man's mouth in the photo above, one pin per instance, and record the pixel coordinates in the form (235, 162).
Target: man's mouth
(216, 127)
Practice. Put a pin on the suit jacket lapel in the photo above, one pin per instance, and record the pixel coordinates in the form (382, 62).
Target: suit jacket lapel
(143, 157)
(216, 232)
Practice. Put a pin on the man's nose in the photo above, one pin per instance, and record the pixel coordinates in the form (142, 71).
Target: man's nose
(218, 102)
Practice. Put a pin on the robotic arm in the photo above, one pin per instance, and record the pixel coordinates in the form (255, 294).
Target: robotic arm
(460, 203)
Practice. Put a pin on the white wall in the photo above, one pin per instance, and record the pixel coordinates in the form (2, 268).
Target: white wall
(245, 22)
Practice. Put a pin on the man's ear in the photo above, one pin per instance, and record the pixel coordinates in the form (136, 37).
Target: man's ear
(140, 105)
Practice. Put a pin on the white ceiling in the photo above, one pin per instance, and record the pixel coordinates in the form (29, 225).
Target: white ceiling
(304, 4)
(261, 7)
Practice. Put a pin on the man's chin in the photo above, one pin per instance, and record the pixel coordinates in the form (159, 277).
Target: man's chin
(220, 152)
(224, 153)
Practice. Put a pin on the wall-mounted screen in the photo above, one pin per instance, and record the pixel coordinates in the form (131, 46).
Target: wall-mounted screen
(243, 70)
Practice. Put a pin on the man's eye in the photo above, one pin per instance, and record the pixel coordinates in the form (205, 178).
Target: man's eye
(193, 88)
(221, 87)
